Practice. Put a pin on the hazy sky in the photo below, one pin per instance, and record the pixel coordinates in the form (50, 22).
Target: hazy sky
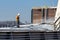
(9, 8)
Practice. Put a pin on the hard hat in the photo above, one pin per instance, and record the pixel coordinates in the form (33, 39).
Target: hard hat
(18, 14)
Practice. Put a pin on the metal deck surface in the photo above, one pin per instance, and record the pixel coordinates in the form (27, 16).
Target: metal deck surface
(38, 32)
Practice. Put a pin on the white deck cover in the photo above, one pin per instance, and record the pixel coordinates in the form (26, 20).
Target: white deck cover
(58, 10)
(57, 15)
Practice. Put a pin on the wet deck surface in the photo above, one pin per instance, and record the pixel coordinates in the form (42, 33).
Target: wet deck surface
(28, 28)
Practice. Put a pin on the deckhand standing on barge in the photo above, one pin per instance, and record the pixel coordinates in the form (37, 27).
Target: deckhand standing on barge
(17, 19)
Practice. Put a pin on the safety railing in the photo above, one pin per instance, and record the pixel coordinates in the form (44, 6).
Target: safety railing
(57, 24)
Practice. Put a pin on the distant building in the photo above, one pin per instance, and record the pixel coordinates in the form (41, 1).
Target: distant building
(39, 15)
